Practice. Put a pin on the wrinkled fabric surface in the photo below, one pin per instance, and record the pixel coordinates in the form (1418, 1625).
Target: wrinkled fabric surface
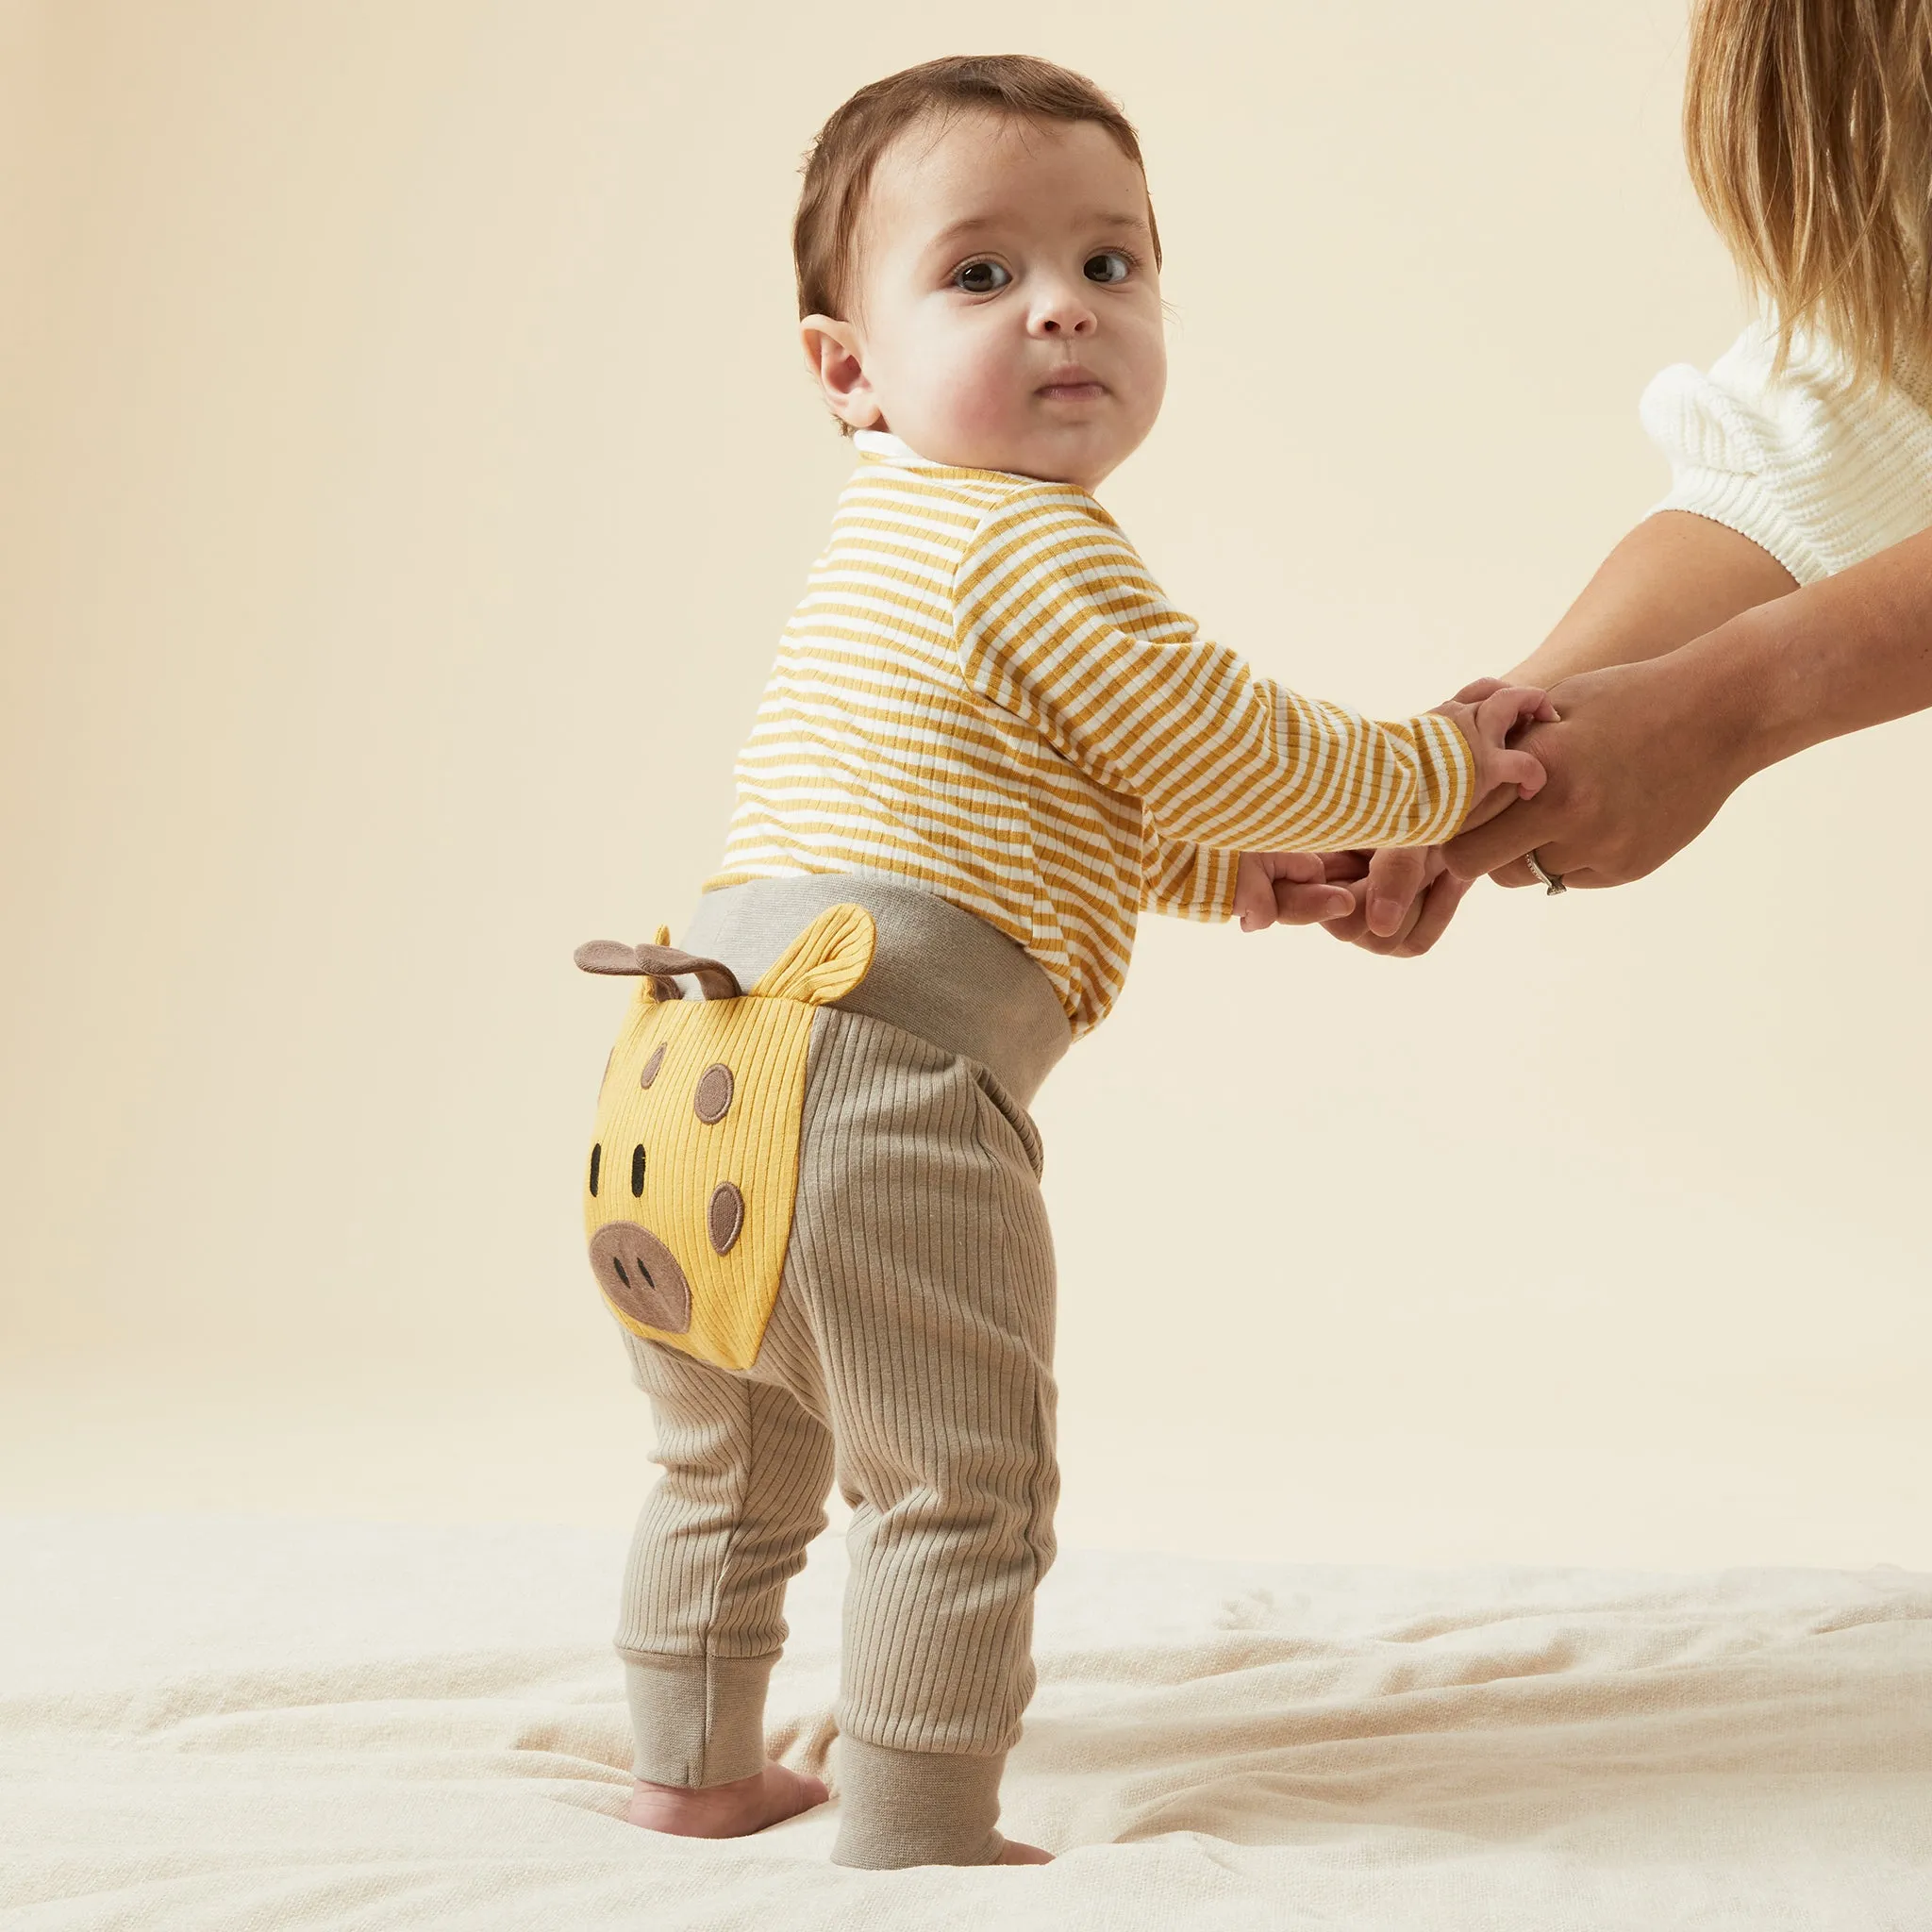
(245, 1722)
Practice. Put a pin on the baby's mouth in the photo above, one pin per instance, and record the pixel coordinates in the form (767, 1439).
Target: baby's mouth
(1072, 384)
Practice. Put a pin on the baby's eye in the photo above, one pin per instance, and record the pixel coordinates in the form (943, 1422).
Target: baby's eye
(981, 277)
(1109, 265)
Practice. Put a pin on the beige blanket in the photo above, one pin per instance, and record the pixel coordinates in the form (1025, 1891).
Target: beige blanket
(251, 1724)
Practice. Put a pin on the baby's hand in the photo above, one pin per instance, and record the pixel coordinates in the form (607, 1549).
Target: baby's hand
(1293, 888)
(1486, 713)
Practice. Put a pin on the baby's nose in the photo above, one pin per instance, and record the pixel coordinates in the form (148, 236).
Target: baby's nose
(1063, 312)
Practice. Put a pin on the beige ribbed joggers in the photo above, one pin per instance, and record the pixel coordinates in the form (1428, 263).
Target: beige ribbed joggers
(908, 1358)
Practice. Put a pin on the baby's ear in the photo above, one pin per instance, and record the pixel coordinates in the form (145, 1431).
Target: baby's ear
(835, 356)
(825, 962)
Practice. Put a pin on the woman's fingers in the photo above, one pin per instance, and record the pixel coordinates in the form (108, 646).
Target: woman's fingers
(1498, 841)
(1433, 916)
(1420, 899)
(1354, 930)
(1396, 875)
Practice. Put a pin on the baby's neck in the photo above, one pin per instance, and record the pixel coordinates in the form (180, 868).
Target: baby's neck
(881, 429)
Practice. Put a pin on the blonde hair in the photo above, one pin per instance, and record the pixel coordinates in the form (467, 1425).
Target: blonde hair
(1808, 129)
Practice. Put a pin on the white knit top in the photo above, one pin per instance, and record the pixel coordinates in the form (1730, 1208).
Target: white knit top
(1819, 472)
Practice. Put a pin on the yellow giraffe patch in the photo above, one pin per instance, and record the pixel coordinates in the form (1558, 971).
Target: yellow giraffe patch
(693, 1169)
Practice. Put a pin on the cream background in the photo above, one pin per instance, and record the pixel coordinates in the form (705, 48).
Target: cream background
(406, 474)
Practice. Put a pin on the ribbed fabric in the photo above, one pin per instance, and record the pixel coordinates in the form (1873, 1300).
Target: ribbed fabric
(935, 971)
(984, 692)
(1819, 473)
(911, 1352)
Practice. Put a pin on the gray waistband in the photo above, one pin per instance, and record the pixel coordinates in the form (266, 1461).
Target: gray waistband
(938, 972)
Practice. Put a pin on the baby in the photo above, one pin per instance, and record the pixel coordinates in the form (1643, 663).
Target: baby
(989, 743)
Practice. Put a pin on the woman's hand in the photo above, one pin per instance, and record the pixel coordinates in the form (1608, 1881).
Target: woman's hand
(1405, 903)
(1405, 896)
(1640, 763)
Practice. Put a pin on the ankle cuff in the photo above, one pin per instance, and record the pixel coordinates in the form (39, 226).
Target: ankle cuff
(916, 1808)
(696, 1719)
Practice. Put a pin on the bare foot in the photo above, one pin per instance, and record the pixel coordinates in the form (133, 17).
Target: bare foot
(1017, 1854)
(733, 1810)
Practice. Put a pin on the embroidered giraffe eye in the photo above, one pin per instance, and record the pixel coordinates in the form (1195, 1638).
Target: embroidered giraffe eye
(596, 1161)
(637, 1170)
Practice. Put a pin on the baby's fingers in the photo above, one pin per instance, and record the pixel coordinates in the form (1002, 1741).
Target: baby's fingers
(1515, 768)
(1502, 711)
(1311, 905)
(1299, 868)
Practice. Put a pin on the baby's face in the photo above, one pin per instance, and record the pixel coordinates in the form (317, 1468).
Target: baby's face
(1008, 308)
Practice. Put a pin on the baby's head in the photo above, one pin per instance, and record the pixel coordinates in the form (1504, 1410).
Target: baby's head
(979, 272)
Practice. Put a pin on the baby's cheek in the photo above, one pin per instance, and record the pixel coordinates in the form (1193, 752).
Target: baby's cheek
(993, 395)
(970, 391)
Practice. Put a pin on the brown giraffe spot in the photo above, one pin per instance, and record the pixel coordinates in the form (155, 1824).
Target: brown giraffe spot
(726, 1216)
(714, 1093)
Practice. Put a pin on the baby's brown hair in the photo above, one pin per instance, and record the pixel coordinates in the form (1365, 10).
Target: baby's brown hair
(839, 167)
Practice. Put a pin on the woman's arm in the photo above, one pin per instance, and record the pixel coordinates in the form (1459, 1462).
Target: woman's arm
(1674, 577)
(1646, 753)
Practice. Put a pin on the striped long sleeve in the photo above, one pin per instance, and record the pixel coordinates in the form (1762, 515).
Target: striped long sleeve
(1060, 625)
(984, 692)
(1187, 882)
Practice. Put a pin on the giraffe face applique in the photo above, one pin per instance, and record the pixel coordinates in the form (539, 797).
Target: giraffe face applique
(694, 1164)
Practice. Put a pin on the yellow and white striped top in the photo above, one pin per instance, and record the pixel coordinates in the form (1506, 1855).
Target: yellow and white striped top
(984, 692)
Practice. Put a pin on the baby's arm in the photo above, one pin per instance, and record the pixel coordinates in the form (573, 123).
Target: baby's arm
(1267, 889)
(1486, 714)
(1060, 626)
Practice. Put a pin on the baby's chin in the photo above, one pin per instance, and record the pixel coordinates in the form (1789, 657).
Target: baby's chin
(1054, 439)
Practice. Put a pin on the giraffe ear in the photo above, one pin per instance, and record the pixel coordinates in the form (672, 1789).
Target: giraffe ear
(659, 989)
(825, 962)
(660, 963)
